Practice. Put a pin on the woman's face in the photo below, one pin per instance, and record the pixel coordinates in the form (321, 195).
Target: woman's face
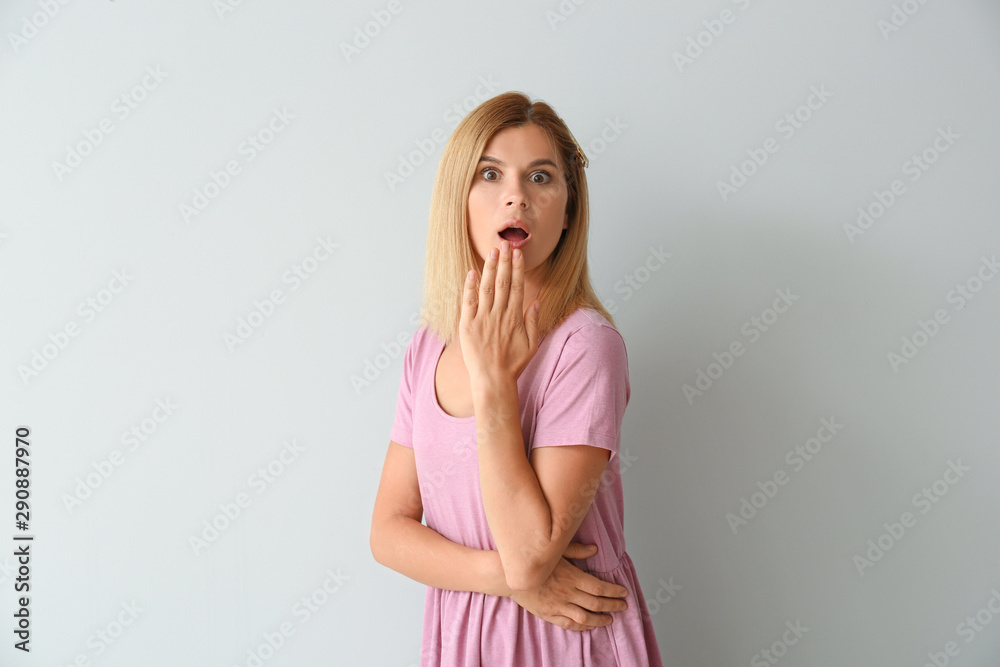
(519, 180)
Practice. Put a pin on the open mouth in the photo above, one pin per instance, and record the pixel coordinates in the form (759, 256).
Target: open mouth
(514, 234)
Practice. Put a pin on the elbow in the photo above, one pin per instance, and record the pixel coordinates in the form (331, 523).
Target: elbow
(376, 542)
(373, 545)
(387, 543)
(531, 569)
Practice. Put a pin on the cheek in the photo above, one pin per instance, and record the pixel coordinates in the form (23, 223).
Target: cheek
(554, 199)
(555, 206)
(478, 221)
(477, 207)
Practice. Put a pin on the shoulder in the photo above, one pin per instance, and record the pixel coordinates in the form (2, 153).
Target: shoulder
(424, 337)
(418, 348)
(587, 325)
(587, 362)
(587, 332)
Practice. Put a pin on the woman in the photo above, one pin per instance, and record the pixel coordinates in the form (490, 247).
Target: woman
(509, 416)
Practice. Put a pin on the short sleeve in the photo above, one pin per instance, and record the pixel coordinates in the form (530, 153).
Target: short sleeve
(585, 401)
(402, 424)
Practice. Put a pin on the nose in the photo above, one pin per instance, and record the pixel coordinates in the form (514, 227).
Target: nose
(516, 196)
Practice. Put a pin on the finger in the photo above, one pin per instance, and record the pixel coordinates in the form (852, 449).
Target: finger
(516, 300)
(586, 618)
(599, 604)
(469, 297)
(504, 289)
(579, 550)
(487, 283)
(591, 584)
(567, 623)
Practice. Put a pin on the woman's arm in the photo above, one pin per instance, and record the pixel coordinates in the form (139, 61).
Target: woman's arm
(533, 507)
(424, 555)
(399, 541)
(570, 597)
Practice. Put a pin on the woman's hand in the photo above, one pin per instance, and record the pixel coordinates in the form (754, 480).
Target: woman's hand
(571, 598)
(497, 340)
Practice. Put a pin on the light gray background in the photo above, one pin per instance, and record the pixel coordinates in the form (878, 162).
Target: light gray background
(718, 597)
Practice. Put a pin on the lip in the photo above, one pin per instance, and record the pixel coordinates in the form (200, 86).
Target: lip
(515, 222)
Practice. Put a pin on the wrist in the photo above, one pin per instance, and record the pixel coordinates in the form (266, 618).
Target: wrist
(489, 388)
(491, 571)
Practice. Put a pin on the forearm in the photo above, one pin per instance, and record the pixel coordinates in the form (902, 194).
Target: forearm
(424, 555)
(519, 517)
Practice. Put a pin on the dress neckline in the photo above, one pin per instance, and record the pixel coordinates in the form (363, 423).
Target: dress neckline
(437, 406)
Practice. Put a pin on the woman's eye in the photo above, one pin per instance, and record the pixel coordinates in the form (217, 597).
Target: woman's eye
(541, 177)
(490, 170)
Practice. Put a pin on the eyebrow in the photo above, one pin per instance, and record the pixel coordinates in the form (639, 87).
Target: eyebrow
(536, 163)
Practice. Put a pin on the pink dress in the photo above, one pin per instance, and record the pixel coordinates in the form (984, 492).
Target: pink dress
(573, 391)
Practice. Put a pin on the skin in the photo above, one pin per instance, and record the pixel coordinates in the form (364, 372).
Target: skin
(498, 338)
(516, 189)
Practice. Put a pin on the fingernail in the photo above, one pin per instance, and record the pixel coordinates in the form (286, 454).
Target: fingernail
(494, 253)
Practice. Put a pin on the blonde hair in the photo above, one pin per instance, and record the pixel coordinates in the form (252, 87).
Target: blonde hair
(450, 256)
